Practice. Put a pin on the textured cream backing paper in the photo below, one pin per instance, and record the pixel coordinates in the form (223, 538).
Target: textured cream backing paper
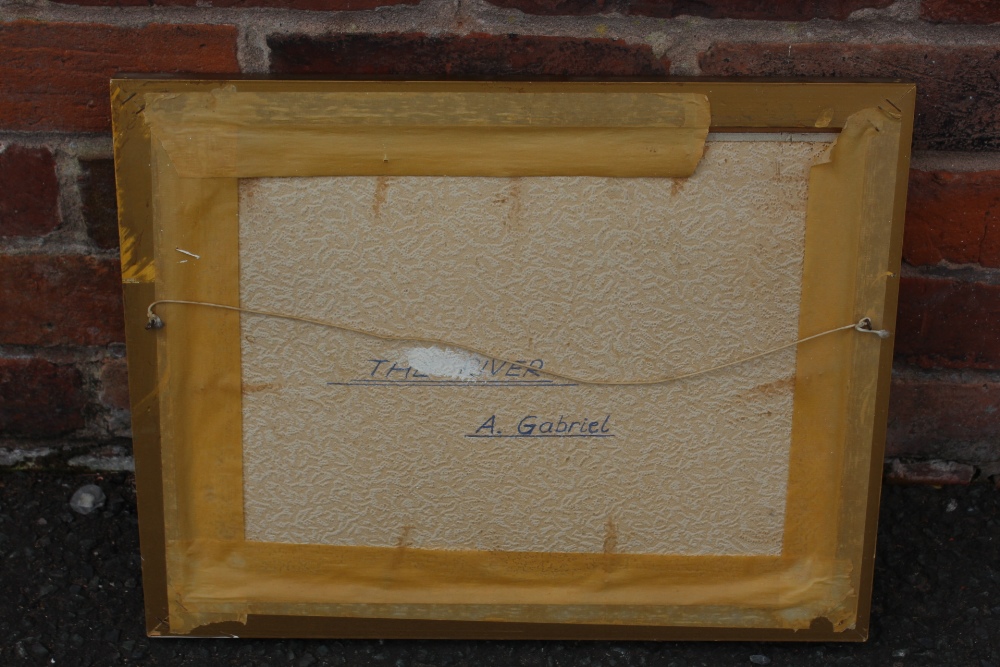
(350, 440)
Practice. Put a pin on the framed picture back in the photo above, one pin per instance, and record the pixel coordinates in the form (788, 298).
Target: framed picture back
(510, 360)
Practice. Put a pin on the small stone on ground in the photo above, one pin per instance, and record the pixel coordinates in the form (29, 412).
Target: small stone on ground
(87, 499)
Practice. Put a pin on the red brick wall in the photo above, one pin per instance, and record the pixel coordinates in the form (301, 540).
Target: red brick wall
(62, 374)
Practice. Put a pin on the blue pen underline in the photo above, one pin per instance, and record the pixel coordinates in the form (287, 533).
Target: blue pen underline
(452, 383)
(545, 435)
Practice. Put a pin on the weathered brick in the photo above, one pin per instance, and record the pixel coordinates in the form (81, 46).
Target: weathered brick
(54, 76)
(419, 55)
(775, 10)
(100, 205)
(309, 5)
(114, 384)
(29, 192)
(948, 323)
(935, 472)
(960, 11)
(931, 417)
(60, 300)
(953, 216)
(39, 399)
(956, 105)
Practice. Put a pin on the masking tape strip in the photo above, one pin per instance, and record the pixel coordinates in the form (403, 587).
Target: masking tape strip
(200, 366)
(834, 393)
(134, 191)
(879, 175)
(242, 135)
(510, 586)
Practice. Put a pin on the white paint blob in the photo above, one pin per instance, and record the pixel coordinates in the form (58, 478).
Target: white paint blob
(447, 363)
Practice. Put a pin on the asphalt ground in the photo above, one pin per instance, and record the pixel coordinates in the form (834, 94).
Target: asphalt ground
(72, 595)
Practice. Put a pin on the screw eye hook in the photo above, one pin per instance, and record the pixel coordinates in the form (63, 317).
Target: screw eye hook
(864, 325)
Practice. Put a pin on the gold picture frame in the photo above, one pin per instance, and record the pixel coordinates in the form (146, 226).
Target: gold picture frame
(181, 147)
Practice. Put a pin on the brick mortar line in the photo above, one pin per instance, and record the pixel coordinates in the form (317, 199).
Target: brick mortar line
(980, 472)
(64, 354)
(72, 229)
(53, 445)
(967, 273)
(907, 372)
(84, 146)
(70, 441)
(57, 247)
(955, 161)
(58, 450)
(679, 39)
(141, 16)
